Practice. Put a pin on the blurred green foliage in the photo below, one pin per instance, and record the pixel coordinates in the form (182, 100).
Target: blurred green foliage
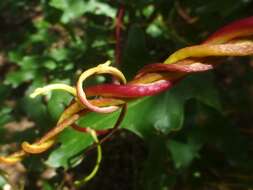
(197, 135)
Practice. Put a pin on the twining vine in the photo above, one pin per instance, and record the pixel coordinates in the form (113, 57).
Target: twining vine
(235, 39)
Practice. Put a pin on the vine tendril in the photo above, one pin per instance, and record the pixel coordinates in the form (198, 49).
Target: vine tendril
(81, 182)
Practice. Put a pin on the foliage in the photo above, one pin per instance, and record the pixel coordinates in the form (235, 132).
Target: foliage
(196, 134)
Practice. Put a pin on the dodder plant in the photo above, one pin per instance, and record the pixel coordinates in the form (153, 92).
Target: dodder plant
(233, 40)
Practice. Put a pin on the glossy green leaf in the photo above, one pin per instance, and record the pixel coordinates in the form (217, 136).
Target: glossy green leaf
(71, 148)
(57, 103)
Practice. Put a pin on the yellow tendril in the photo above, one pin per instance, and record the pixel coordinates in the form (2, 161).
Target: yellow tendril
(45, 143)
(99, 158)
(46, 89)
(100, 69)
(37, 148)
(12, 159)
(234, 48)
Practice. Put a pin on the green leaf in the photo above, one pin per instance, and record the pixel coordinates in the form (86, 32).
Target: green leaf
(154, 174)
(71, 8)
(28, 69)
(59, 54)
(17, 77)
(70, 151)
(135, 53)
(100, 8)
(157, 114)
(50, 65)
(4, 92)
(75, 8)
(28, 62)
(147, 11)
(15, 56)
(183, 153)
(200, 86)
(57, 103)
(47, 186)
(155, 28)
(5, 115)
(37, 111)
(2, 182)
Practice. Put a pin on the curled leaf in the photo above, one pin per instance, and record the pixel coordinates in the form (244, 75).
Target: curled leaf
(100, 69)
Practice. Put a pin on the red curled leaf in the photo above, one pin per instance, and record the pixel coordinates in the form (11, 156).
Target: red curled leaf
(240, 28)
(129, 90)
(181, 68)
(141, 90)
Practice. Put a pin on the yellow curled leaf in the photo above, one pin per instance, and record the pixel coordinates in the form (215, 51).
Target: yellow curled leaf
(12, 159)
(37, 148)
(50, 87)
(100, 69)
(237, 48)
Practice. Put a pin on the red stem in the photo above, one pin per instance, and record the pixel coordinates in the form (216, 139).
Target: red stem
(118, 27)
(84, 130)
